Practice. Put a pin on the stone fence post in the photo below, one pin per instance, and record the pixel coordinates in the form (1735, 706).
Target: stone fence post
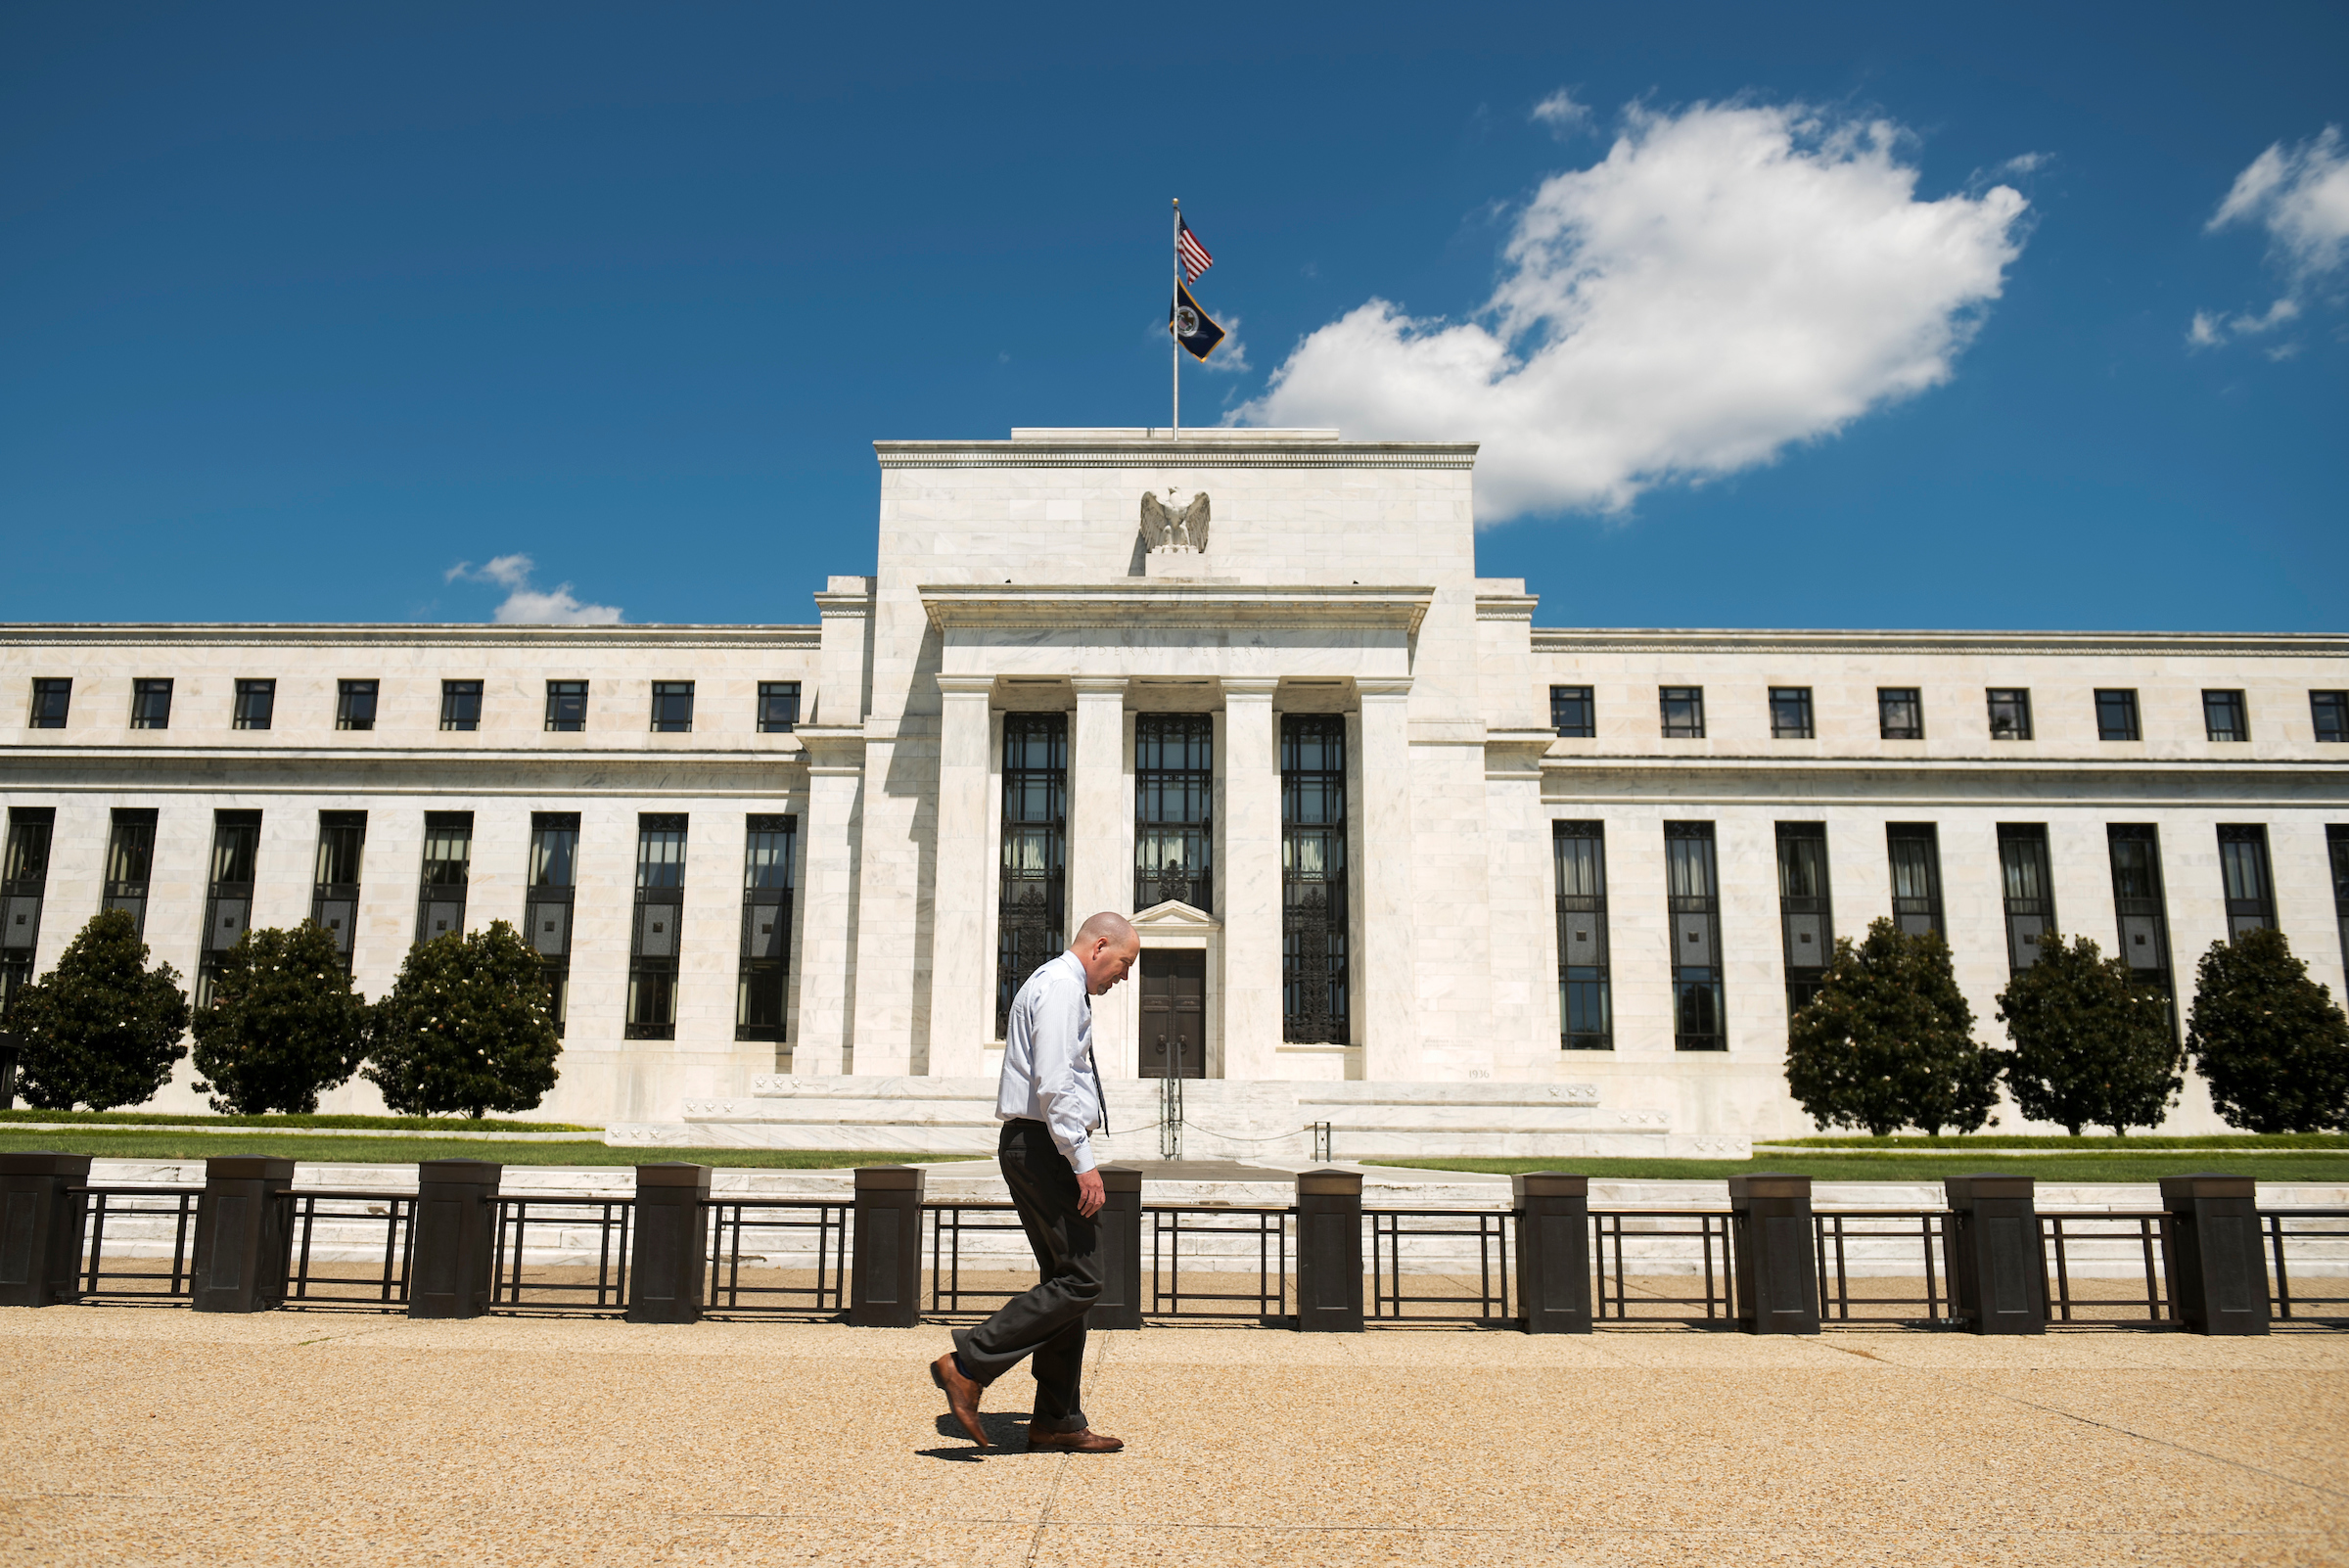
(885, 1288)
(41, 1227)
(665, 1271)
(241, 1235)
(1998, 1264)
(1553, 1252)
(2218, 1276)
(456, 1238)
(1329, 1251)
(1778, 1254)
(1121, 1222)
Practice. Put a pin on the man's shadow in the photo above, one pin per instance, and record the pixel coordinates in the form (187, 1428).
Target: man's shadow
(1007, 1430)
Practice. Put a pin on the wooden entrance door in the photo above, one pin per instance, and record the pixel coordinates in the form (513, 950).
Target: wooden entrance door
(1174, 1013)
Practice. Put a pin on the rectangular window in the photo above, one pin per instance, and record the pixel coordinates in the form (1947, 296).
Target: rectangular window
(1683, 712)
(2138, 903)
(1790, 712)
(2337, 844)
(460, 705)
(2116, 714)
(566, 704)
(257, 703)
(1031, 920)
(130, 863)
(1586, 1009)
(24, 886)
(659, 916)
(2243, 870)
(448, 868)
(2329, 711)
(51, 700)
(1915, 850)
(546, 910)
(1316, 961)
(228, 893)
(778, 707)
(1694, 888)
(2030, 890)
(355, 703)
(2224, 717)
(769, 852)
(672, 706)
(1174, 795)
(1806, 913)
(1900, 713)
(334, 900)
(151, 703)
(2010, 712)
(1572, 711)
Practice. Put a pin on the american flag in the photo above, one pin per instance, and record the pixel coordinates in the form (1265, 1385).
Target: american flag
(1195, 258)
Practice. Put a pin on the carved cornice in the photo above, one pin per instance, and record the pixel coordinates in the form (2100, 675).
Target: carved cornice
(1209, 449)
(1130, 603)
(1506, 606)
(234, 635)
(2172, 644)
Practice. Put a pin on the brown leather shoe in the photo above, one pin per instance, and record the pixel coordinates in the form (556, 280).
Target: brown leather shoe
(962, 1397)
(1085, 1441)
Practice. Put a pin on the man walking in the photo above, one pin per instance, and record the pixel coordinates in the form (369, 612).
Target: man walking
(1049, 1102)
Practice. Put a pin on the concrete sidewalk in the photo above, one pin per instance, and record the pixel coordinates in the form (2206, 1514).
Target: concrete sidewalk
(132, 1436)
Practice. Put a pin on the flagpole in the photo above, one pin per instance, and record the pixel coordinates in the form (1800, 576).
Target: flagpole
(1174, 344)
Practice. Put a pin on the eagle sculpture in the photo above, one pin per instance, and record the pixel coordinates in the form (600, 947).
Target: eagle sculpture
(1164, 526)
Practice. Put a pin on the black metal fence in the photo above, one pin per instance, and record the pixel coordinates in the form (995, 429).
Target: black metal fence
(387, 1284)
(1881, 1233)
(1438, 1241)
(575, 1230)
(2143, 1234)
(1216, 1241)
(781, 1238)
(1652, 1245)
(136, 1216)
(2323, 1232)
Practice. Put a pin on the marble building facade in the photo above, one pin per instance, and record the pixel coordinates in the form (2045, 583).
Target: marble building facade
(1404, 860)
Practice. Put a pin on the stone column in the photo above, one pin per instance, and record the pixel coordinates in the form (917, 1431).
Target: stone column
(1386, 990)
(1248, 878)
(822, 1038)
(1101, 846)
(961, 964)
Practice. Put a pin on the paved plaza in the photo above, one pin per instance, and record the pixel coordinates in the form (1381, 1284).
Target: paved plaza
(161, 1436)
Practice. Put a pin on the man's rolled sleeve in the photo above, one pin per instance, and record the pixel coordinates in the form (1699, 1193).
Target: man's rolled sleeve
(1060, 1095)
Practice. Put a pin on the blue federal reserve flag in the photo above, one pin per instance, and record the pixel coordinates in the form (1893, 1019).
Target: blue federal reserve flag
(1190, 325)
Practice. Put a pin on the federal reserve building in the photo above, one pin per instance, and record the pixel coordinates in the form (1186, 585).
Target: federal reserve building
(1415, 869)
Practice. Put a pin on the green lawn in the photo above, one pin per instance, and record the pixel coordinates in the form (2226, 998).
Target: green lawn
(1929, 1166)
(359, 1124)
(141, 1145)
(2099, 1145)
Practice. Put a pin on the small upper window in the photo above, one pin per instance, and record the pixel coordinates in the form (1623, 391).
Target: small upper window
(49, 699)
(1572, 711)
(354, 705)
(566, 704)
(778, 707)
(2010, 712)
(151, 703)
(2224, 715)
(673, 706)
(1900, 713)
(2330, 710)
(256, 702)
(1683, 712)
(2116, 714)
(1790, 712)
(460, 705)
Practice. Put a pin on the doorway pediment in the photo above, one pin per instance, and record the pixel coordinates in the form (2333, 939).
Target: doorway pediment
(1174, 918)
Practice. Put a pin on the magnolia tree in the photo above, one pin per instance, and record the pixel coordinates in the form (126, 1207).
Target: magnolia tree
(469, 1026)
(1888, 1042)
(101, 1028)
(2093, 1043)
(282, 1026)
(2271, 1041)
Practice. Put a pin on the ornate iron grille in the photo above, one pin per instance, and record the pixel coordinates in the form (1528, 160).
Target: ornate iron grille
(770, 847)
(2243, 870)
(334, 900)
(1314, 960)
(1585, 1001)
(228, 901)
(1915, 850)
(1174, 790)
(2030, 890)
(554, 861)
(24, 886)
(654, 944)
(1806, 916)
(1694, 896)
(1031, 920)
(448, 868)
(129, 863)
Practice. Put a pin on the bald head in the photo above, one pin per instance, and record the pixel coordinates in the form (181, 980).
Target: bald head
(1107, 947)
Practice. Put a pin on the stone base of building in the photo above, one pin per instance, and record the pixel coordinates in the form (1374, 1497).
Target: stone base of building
(1220, 1120)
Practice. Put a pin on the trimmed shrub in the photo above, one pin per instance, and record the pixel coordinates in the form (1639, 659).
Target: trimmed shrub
(1888, 1042)
(469, 1027)
(2093, 1045)
(2272, 1044)
(283, 1025)
(101, 1028)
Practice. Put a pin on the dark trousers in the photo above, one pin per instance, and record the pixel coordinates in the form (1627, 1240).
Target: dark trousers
(1047, 1321)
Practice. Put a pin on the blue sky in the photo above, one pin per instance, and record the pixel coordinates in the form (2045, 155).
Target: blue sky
(302, 308)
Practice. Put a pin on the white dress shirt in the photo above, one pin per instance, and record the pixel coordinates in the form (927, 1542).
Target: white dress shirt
(1048, 1071)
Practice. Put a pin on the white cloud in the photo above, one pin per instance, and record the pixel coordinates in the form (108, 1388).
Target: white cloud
(2299, 195)
(1728, 280)
(1561, 113)
(2025, 164)
(528, 606)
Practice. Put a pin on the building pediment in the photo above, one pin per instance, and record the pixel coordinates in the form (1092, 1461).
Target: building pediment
(1173, 917)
